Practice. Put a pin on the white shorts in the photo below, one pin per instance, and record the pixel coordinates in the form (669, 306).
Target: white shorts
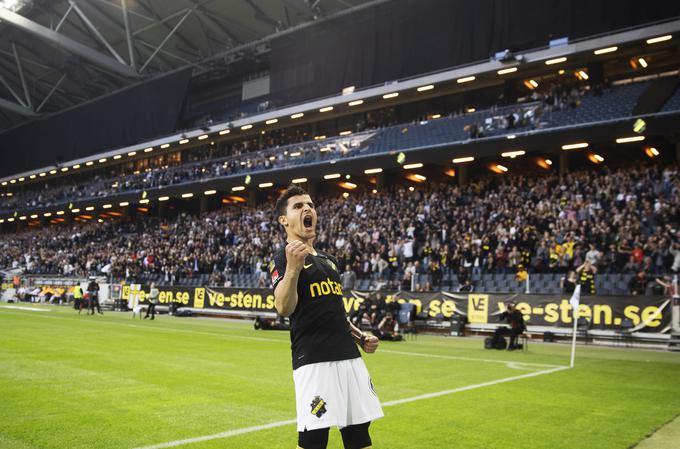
(335, 394)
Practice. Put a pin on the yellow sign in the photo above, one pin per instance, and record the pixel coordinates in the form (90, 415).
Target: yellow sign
(199, 297)
(478, 308)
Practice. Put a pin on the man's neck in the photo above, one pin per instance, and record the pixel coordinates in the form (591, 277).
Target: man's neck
(309, 243)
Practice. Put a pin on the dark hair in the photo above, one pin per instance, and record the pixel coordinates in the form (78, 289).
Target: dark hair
(282, 201)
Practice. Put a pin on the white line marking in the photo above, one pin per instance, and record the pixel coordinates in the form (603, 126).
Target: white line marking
(30, 309)
(467, 359)
(273, 425)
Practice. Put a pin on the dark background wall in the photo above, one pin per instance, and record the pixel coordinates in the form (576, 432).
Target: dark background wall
(403, 38)
(136, 114)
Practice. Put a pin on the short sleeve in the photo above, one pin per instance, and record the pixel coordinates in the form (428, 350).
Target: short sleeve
(277, 267)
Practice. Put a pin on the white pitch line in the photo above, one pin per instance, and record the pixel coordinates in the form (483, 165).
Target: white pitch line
(30, 309)
(467, 359)
(273, 425)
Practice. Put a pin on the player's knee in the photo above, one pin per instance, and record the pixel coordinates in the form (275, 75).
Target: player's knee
(313, 439)
(356, 436)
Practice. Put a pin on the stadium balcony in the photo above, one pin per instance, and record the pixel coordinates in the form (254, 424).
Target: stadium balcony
(532, 119)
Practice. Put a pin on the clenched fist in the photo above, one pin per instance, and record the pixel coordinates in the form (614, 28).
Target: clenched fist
(296, 251)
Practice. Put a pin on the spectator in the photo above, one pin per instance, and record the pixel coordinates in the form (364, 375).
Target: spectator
(348, 279)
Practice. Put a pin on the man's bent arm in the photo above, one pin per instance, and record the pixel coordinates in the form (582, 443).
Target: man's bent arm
(285, 293)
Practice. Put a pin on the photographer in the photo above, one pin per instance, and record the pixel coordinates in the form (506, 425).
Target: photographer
(517, 327)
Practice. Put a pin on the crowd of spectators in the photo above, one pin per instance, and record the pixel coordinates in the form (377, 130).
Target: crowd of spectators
(622, 221)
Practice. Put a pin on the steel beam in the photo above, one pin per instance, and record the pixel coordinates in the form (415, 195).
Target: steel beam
(165, 40)
(96, 32)
(51, 36)
(16, 108)
(54, 88)
(128, 36)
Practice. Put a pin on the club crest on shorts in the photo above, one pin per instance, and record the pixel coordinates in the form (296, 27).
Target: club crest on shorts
(318, 406)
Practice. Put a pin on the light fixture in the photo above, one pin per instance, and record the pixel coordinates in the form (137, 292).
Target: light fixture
(187, 195)
(23, 217)
(420, 177)
(435, 116)
(355, 103)
(165, 145)
(163, 198)
(602, 51)
(89, 163)
(465, 79)
(320, 137)
(271, 121)
(295, 154)
(51, 173)
(223, 132)
(132, 153)
(348, 185)
(75, 210)
(326, 109)
(238, 188)
(117, 156)
(371, 171)
(183, 141)
(411, 189)
(345, 133)
(643, 62)
(148, 150)
(412, 166)
(390, 95)
(555, 60)
(470, 110)
(32, 176)
(123, 204)
(89, 208)
(582, 75)
(425, 88)
(506, 71)
(655, 40)
(209, 192)
(651, 152)
(102, 160)
(548, 161)
(60, 212)
(533, 83)
(332, 176)
(498, 168)
(144, 201)
(246, 127)
(299, 180)
(107, 206)
(460, 160)
(34, 216)
(630, 139)
(595, 158)
(510, 136)
(10, 220)
(75, 167)
(264, 185)
(513, 154)
(298, 115)
(345, 194)
(574, 146)
(203, 137)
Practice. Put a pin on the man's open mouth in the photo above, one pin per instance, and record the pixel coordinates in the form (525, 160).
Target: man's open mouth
(307, 221)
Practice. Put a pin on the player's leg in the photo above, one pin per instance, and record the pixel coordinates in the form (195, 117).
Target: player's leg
(356, 436)
(313, 439)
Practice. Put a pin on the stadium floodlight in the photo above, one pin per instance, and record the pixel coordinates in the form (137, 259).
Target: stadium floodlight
(506, 71)
(326, 109)
(187, 195)
(513, 154)
(238, 188)
(124, 204)
(355, 103)
(298, 115)
(643, 62)
(556, 60)
(630, 139)
(148, 150)
(603, 51)
(332, 176)
(412, 166)
(246, 127)
(164, 146)
(271, 121)
(163, 198)
(203, 137)
(425, 88)
(183, 141)
(299, 180)
(209, 192)
(264, 185)
(390, 95)
(371, 171)
(465, 79)
(575, 146)
(655, 40)
(460, 160)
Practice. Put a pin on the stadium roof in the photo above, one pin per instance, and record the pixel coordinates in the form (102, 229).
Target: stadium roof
(56, 54)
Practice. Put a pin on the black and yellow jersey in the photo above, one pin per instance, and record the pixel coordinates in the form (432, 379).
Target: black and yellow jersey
(319, 330)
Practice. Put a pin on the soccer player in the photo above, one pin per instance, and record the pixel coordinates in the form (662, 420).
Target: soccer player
(332, 384)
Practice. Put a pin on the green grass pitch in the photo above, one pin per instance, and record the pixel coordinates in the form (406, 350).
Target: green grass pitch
(70, 381)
